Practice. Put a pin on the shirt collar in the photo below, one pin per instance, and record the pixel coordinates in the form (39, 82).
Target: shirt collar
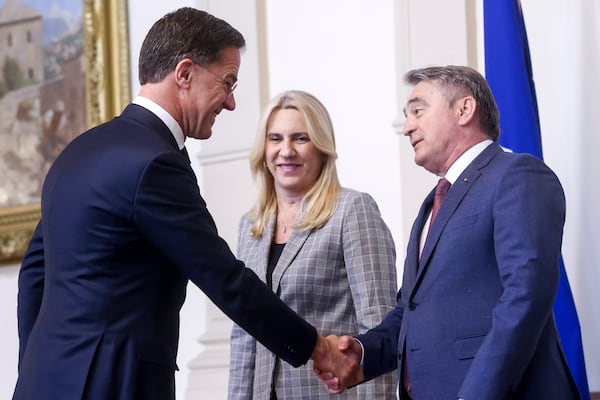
(164, 116)
(464, 160)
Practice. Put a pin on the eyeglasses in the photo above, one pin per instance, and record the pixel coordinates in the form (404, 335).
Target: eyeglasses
(228, 85)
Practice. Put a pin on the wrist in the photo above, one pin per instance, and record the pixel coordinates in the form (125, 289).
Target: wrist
(320, 348)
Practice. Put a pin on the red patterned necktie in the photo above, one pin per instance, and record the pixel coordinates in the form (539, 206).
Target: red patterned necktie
(440, 192)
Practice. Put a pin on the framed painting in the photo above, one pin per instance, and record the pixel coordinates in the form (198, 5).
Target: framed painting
(64, 67)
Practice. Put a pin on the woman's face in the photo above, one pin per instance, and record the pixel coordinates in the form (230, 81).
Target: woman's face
(291, 157)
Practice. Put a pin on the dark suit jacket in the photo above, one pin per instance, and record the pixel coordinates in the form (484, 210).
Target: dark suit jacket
(476, 319)
(123, 228)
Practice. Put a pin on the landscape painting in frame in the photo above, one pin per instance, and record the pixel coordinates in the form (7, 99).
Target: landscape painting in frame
(42, 91)
(63, 67)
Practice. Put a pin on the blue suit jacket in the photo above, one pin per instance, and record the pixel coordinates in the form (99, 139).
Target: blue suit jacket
(123, 228)
(476, 319)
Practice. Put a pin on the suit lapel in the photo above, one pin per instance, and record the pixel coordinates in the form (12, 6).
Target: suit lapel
(150, 121)
(457, 192)
(413, 250)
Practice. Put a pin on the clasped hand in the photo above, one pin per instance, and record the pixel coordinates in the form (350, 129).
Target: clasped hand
(336, 361)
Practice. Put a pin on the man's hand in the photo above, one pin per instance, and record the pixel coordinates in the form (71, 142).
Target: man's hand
(336, 360)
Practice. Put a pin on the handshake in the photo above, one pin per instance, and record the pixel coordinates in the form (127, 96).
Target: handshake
(336, 361)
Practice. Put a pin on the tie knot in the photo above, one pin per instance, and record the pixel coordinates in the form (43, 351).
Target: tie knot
(442, 187)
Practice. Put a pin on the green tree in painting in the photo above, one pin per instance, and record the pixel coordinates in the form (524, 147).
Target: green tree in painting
(3, 89)
(13, 75)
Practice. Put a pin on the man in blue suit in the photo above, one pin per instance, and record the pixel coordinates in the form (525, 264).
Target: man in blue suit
(124, 227)
(474, 315)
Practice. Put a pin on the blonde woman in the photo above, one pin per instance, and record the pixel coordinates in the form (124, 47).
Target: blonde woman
(323, 249)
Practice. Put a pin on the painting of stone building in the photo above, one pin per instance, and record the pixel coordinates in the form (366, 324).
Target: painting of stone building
(42, 91)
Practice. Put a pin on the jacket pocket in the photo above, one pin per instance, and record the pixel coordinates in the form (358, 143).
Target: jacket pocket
(462, 222)
(467, 346)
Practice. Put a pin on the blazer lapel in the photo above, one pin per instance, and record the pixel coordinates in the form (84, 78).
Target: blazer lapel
(290, 251)
(264, 249)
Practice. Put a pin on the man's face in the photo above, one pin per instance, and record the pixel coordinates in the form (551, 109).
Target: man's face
(209, 93)
(431, 127)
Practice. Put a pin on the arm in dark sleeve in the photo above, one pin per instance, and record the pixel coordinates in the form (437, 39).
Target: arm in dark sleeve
(31, 287)
(380, 344)
(173, 216)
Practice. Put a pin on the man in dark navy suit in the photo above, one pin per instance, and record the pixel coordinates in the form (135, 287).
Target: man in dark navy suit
(124, 227)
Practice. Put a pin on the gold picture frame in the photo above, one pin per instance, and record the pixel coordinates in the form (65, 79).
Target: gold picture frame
(107, 91)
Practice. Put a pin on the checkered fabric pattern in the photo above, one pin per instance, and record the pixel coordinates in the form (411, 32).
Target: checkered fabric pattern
(341, 278)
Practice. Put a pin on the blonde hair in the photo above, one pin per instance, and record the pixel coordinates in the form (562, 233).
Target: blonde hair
(320, 201)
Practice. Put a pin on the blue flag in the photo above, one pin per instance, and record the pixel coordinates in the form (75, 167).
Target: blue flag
(508, 71)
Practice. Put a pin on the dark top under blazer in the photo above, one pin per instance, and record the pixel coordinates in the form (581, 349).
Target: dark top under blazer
(123, 228)
(477, 318)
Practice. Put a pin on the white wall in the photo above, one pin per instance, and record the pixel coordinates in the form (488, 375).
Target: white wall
(343, 53)
(9, 342)
(564, 40)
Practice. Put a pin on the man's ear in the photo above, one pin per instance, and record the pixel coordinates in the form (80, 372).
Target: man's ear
(183, 72)
(466, 109)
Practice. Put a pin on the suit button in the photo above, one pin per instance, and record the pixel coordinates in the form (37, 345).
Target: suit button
(412, 305)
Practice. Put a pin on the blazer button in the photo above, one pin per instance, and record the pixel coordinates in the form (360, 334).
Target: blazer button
(412, 305)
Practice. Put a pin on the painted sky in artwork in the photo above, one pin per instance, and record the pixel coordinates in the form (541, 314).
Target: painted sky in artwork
(59, 16)
(69, 9)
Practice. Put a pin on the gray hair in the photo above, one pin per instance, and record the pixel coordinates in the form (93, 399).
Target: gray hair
(457, 81)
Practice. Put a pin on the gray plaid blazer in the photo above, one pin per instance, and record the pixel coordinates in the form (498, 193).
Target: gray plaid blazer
(341, 278)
